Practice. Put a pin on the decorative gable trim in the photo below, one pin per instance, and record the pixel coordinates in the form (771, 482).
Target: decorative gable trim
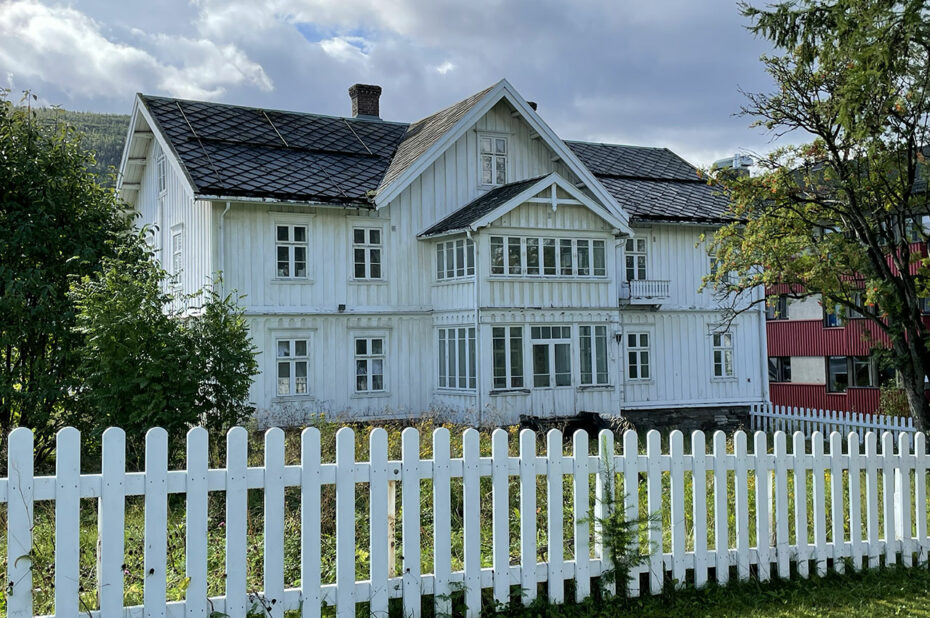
(503, 90)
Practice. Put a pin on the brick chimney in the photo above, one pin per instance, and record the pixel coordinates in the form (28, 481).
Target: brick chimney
(365, 100)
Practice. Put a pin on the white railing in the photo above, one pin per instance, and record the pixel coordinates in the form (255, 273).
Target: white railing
(648, 289)
(771, 487)
(769, 418)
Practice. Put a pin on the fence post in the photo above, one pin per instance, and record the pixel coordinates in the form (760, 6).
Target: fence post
(654, 506)
(20, 489)
(888, 470)
(630, 491)
(195, 528)
(920, 499)
(721, 514)
(68, 521)
(156, 515)
(500, 498)
(471, 493)
(345, 523)
(237, 453)
(442, 526)
(378, 522)
(110, 517)
(903, 499)
(310, 522)
(782, 547)
(855, 500)
(871, 497)
(763, 505)
(836, 501)
(677, 486)
(742, 505)
(820, 503)
(699, 506)
(580, 504)
(555, 546)
(410, 524)
(800, 503)
(528, 582)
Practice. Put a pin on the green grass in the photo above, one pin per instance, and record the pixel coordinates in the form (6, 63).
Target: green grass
(893, 591)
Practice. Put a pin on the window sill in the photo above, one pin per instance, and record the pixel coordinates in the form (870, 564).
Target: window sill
(367, 282)
(555, 278)
(445, 390)
(724, 380)
(453, 281)
(291, 281)
(292, 398)
(510, 391)
(371, 395)
(596, 387)
(640, 382)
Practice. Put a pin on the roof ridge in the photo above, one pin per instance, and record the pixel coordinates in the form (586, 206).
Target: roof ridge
(578, 141)
(478, 94)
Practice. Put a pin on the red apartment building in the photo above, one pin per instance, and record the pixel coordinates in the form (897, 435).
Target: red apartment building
(819, 357)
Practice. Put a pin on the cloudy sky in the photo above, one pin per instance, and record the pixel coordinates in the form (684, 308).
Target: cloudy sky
(646, 72)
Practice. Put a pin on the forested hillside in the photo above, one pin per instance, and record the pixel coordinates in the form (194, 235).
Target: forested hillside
(104, 135)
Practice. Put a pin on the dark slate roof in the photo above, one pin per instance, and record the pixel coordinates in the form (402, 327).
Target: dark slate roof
(424, 133)
(247, 152)
(481, 206)
(653, 184)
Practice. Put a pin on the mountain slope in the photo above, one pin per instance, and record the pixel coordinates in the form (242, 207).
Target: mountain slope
(103, 135)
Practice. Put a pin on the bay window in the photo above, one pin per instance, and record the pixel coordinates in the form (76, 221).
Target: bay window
(548, 257)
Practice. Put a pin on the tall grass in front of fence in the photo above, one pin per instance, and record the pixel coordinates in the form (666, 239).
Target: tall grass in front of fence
(42, 558)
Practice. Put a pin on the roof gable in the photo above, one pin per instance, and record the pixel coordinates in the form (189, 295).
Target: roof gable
(485, 209)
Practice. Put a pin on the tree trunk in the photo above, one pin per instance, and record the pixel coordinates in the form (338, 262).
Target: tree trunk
(917, 402)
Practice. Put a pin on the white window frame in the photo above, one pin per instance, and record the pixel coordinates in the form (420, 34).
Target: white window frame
(369, 357)
(714, 267)
(723, 365)
(161, 173)
(455, 259)
(516, 257)
(513, 375)
(597, 333)
(292, 245)
(639, 273)
(495, 159)
(640, 355)
(551, 342)
(457, 350)
(177, 254)
(367, 247)
(292, 359)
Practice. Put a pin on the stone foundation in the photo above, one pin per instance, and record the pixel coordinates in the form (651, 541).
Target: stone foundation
(686, 420)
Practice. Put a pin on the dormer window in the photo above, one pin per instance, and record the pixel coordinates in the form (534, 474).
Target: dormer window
(493, 159)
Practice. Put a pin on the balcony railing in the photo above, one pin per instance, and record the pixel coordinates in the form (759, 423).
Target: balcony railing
(644, 291)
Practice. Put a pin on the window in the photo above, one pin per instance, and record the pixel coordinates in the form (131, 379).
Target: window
(715, 266)
(924, 305)
(833, 314)
(593, 345)
(548, 257)
(507, 352)
(493, 159)
(637, 346)
(777, 308)
(837, 374)
(293, 366)
(723, 355)
(552, 356)
(177, 255)
(455, 259)
(860, 371)
(914, 230)
(635, 259)
(366, 251)
(369, 364)
(291, 251)
(161, 171)
(779, 368)
(457, 358)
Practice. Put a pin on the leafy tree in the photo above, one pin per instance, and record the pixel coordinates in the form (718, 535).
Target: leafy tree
(834, 216)
(56, 223)
(151, 358)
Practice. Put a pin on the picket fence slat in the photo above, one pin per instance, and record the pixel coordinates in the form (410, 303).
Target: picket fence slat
(852, 500)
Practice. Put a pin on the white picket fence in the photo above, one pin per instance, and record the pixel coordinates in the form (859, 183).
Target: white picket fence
(881, 491)
(770, 418)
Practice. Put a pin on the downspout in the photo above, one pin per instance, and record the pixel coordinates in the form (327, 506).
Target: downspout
(479, 398)
(764, 350)
(222, 259)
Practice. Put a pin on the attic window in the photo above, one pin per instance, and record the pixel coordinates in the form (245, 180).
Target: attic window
(162, 173)
(493, 159)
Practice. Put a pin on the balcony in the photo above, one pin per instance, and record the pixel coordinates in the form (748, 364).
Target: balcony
(644, 292)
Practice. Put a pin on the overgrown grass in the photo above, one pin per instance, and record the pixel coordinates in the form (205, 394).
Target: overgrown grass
(894, 591)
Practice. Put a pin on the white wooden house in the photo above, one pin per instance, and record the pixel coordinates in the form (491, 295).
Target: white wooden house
(471, 262)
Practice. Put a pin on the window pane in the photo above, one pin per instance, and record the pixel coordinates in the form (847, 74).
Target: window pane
(300, 233)
(450, 260)
(485, 144)
(442, 357)
(500, 146)
(644, 340)
(499, 357)
(584, 340)
(838, 374)
(284, 378)
(516, 357)
(470, 252)
(377, 382)
(300, 269)
(565, 257)
(548, 256)
(300, 377)
(600, 354)
(563, 364)
(532, 256)
(283, 233)
(300, 254)
(460, 258)
(377, 367)
(486, 171)
(374, 237)
(641, 267)
(284, 349)
(375, 266)
(361, 346)
(440, 262)
(497, 255)
(358, 236)
(463, 365)
(501, 170)
(600, 268)
(862, 371)
(471, 358)
(300, 347)
(541, 365)
(631, 341)
(513, 256)
(377, 347)
(633, 368)
(584, 265)
(644, 364)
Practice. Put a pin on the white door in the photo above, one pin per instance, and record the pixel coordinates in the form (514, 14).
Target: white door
(551, 363)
